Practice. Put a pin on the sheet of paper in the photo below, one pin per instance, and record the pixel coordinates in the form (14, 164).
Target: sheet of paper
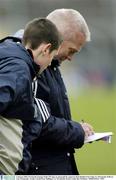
(105, 136)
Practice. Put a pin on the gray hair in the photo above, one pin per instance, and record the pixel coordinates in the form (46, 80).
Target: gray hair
(68, 21)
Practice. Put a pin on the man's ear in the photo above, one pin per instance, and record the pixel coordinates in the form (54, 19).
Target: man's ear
(46, 48)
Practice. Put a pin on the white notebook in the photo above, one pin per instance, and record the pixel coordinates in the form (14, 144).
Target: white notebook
(105, 136)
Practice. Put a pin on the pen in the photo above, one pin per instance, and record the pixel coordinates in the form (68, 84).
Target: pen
(82, 121)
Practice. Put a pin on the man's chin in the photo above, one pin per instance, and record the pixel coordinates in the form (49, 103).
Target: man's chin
(62, 59)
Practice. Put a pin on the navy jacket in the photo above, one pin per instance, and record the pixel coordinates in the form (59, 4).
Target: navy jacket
(17, 109)
(53, 151)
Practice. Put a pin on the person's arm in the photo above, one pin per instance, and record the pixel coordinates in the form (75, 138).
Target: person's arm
(12, 78)
(60, 131)
(7, 89)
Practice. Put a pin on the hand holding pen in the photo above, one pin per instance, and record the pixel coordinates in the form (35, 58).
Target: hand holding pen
(88, 129)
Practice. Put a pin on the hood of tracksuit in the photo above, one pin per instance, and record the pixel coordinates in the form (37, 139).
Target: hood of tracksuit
(12, 47)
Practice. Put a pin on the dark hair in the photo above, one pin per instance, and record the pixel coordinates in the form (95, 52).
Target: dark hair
(41, 30)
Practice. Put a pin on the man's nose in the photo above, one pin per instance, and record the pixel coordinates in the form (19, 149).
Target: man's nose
(69, 58)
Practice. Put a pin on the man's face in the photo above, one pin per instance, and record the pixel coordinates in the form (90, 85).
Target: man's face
(68, 48)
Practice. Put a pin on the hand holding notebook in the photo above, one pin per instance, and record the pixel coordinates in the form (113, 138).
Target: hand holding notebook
(105, 136)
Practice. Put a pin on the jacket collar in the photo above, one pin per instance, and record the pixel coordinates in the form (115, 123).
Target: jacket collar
(55, 63)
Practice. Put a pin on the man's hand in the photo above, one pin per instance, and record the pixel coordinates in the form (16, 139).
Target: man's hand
(88, 129)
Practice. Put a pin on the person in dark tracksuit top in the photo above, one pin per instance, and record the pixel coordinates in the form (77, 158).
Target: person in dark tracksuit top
(53, 151)
(20, 117)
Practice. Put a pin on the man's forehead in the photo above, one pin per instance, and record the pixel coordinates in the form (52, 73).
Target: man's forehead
(79, 40)
(75, 46)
